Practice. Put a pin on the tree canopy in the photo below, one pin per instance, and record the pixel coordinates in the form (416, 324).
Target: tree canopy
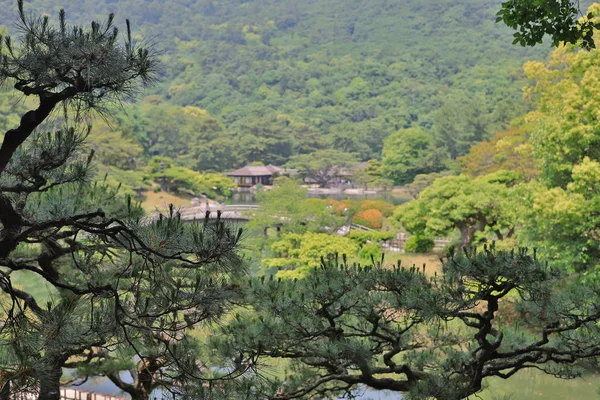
(562, 20)
(266, 81)
(429, 337)
(459, 202)
(408, 153)
(323, 166)
(116, 279)
(318, 87)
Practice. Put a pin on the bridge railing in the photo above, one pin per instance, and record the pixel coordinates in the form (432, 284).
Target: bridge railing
(362, 227)
(397, 244)
(241, 207)
(76, 394)
(73, 394)
(219, 207)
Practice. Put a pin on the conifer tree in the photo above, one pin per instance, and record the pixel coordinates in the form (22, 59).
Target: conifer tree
(116, 280)
(427, 335)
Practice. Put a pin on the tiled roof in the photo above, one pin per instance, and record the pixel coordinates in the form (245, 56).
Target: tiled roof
(256, 170)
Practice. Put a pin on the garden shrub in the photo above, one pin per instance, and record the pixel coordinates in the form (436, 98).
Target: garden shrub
(419, 244)
(369, 218)
(387, 209)
(370, 251)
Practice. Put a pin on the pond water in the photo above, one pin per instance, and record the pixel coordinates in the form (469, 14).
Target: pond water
(103, 385)
(250, 198)
(527, 385)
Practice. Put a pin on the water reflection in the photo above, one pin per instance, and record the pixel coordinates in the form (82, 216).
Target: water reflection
(105, 386)
(250, 198)
(527, 385)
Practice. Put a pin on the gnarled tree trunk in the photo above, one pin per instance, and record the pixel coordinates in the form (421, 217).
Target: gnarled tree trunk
(49, 379)
(48, 374)
(467, 234)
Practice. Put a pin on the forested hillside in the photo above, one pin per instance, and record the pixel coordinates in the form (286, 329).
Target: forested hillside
(351, 294)
(260, 81)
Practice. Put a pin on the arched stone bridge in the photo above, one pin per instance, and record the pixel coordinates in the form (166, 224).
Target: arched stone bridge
(233, 212)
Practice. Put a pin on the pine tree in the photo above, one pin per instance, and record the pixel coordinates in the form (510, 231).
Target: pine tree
(427, 335)
(116, 279)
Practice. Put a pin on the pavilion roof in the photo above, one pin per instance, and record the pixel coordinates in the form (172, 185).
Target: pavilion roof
(256, 170)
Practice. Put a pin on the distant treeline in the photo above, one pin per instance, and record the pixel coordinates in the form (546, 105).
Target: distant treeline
(261, 81)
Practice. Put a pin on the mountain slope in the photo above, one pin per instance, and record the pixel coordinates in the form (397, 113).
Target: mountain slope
(287, 77)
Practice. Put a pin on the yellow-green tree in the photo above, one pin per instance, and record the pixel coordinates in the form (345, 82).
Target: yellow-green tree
(560, 216)
(295, 255)
(286, 206)
(510, 150)
(408, 153)
(565, 223)
(566, 94)
(180, 179)
(466, 204)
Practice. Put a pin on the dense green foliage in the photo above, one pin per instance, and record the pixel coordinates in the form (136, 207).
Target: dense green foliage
(559, 213)
(317, 85)
(293, 234)
(419, 244)
(548, 200)
(397, 329)
(295, 255)
(461, 203)
(118, 282)
(422, 181)
(287, 207)
(562, 20)
(409, 153)
(371, 175)
(363, 237)
(180, 179)
(322, 166)
(565, 94)
(247, 81)
(185, 134)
